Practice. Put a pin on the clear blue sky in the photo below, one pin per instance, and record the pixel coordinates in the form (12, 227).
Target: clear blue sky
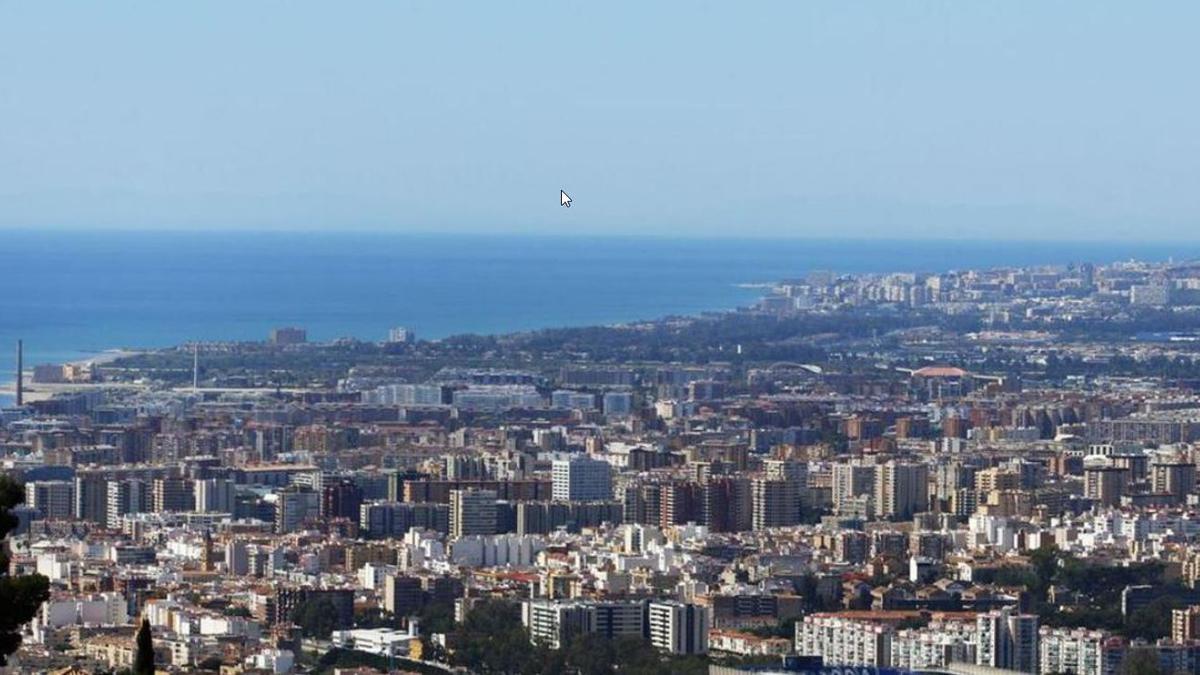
(1054, 120)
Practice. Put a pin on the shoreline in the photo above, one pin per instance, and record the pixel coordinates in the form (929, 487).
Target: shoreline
(470, 285)
(39, 390)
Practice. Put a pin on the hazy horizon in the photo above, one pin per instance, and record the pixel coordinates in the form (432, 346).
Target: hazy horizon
(1107, 243)
(935, 121)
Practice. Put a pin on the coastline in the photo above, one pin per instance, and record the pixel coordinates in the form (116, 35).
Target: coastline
(191, 286)
(40, 391)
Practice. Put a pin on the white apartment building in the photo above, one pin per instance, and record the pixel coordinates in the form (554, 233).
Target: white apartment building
(935, 646)
(843, 641)
(581, 478)
(554, 623)
(1008, 640)
(678, 628)
(1079, 651)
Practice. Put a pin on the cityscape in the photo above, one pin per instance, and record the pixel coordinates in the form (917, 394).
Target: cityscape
(409, 337)
(969, 472)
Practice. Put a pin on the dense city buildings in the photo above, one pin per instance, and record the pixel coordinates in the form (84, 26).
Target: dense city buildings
(967, 472)
(579, 478)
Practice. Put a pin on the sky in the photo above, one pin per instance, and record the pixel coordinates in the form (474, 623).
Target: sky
(1007, 119)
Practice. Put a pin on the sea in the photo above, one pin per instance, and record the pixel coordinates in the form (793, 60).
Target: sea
(72, 294)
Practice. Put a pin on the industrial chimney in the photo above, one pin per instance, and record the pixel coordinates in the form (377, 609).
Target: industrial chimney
(20, 373)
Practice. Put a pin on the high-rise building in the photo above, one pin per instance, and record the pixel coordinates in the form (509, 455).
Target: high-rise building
(951, 476)
(288, 336)
(912, 427)
(787, 469)
(341, 499)
(852, 547)
(933, 648)
(403, 595)
(1185, 624)
(1177, 479)
(472, 511)
(171, 495)
(1105, 484)
(582, 478)
(215, 495)
(618, 403)
(1156, 294)
(549, 440)
(616, 619)
(54, 499)
(680, 502)
(953, 427)
(545, 517)
(1080, 651)
(997, 478)
(130, 495)
(465, 467)
(295, 506)
(382, 519)
(775, 503)
(207, 554)
(844, 641)
(1007, 640)
(728, 505)
(237, 558)
(901, 489)
(555, 622)
(91, 498)
(401, 335)
(678, 628)
(497, 397)
(849, 482)
(572, 400)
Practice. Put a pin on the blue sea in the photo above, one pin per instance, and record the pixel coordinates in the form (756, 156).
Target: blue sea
(72, 293)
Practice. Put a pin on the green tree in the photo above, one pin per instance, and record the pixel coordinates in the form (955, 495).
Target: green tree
(492, 640)
(1045, 566)
(592, 654)
(143, 660)
(436, 617)
(627, 655)
(375, 618)
(21, 596)
(1140, 661)
(1152, 621)
(316, 617)
(346, 658)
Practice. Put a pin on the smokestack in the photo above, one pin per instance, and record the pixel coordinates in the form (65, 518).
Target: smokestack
(20, 373)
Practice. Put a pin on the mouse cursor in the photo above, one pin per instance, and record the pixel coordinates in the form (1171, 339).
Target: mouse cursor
(564, 198)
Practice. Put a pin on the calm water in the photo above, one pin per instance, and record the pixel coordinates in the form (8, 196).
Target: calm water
(68, 293)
